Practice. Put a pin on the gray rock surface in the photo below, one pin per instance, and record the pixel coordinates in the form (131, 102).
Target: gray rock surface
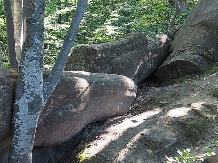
(134, 56)
(195, 48)
(7, 86)
(79, 99)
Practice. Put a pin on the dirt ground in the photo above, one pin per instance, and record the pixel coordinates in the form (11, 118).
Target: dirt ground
(163, 119)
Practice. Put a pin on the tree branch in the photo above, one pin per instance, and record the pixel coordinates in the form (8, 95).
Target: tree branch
(10, 34)
(52, 80)
(174, 16)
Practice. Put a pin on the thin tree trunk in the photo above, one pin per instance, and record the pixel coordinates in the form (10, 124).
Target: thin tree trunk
(29, 90)
(174, 16)
(1, 61)
(52, 80)
(31, 96)
(18, 33)
(10, 34)
(59, 15)
(183, 5)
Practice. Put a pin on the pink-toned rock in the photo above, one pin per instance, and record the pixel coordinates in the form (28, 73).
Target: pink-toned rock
(79, 99)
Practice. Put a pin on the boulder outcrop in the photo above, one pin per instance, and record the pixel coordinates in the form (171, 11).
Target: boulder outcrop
(79, 99)
(195, 48)
(7, 87)
(135, 56)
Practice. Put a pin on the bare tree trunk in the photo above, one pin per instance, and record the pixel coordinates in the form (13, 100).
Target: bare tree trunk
(59, 15)
(31, 94)
(174, 16)
(18, 20)
(29, 90)
(183, 5)
(10, 34)
(1, 61)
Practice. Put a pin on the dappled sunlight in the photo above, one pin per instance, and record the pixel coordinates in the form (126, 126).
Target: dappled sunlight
(115, 131)
(197, 105)
(125, 151)
(178, 112)
(111, 29)
(183, 111)
(139, 66)
(85, 94)
(146, 58)
(81, 82)
(130, 84)
(82, 73)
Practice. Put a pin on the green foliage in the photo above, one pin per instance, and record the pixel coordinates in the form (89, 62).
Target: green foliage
(212, 70)
(195, 127)
(83, 157)
(104, 20)
(185, 156)
(3, 35)
(107, 20)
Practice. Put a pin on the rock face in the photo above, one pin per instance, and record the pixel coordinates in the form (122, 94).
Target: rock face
(163, 119)
(7, 86)
(195, 47)
(79, 99)
(134, 56)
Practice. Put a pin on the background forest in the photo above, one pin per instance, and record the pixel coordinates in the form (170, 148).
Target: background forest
(105, 20)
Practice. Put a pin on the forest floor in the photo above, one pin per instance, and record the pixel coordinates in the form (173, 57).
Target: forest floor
(164, 119)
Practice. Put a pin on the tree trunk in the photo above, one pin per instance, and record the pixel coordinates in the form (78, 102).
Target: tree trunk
(174, 16)
(31, 95)
(52, 80)
(1, 61)
(29, 90)
(183, 5)
(18, 19)
(10, 34)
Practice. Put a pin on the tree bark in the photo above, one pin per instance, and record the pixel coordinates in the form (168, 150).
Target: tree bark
(10, 34)
(30, 94)
(174, 16)
(183, 5)
(18, 19)
(1, 61)
(29, 89)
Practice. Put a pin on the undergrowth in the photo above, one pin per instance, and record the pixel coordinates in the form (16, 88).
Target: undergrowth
(187, 156)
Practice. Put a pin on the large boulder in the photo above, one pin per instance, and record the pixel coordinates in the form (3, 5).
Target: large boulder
(79, 99)
(7, 87)
(195, 48)
(135, 56)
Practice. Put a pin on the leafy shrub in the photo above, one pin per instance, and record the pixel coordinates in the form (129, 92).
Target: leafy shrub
(197, 126)
(186, 156)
